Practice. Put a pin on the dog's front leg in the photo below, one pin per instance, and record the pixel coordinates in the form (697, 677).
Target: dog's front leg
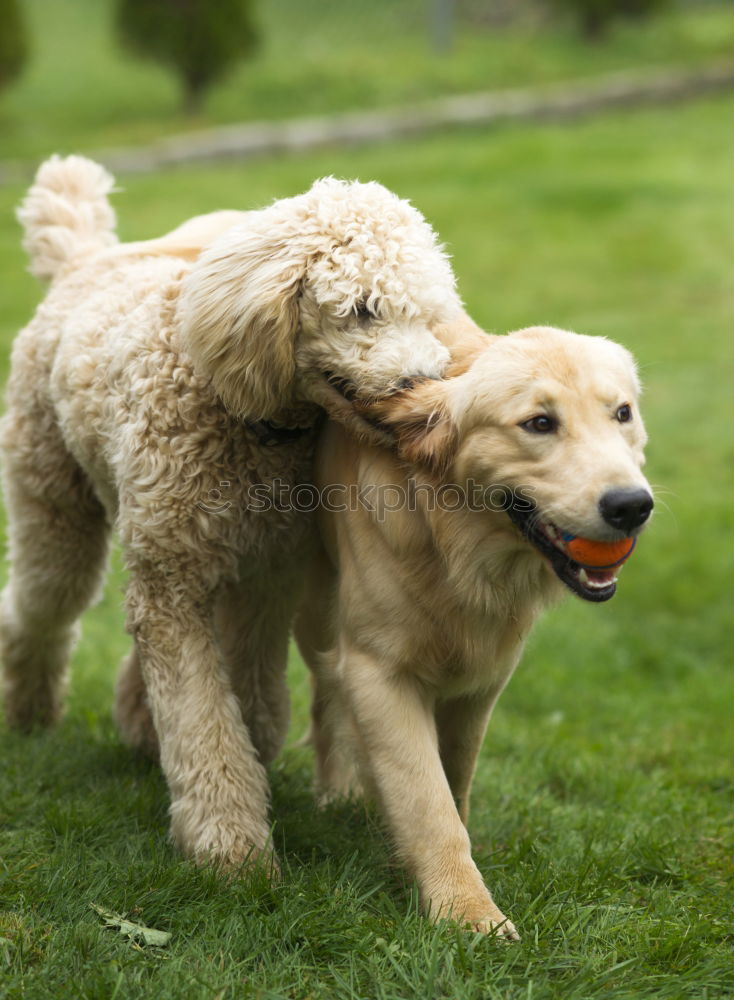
(394, 716)
(219, 794)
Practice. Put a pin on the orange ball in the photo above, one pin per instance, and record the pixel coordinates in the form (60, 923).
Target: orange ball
(599, 555)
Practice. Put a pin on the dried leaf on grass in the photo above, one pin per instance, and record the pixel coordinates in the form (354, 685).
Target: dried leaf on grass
(136, 932)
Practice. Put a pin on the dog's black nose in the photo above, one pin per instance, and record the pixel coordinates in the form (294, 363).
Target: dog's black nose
(626, 509)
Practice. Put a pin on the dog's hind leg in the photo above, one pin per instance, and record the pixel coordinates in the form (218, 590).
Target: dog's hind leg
(340, 771)
(58, 533)
(253, 628)
(336, 749)
(338, 755)
(132, 711)
(461, 724)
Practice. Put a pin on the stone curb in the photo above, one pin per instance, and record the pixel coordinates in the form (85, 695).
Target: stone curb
(555, 101)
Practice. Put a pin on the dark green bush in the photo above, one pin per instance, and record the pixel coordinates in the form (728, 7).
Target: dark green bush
(13, 41)
(594, 17)
(198, 39)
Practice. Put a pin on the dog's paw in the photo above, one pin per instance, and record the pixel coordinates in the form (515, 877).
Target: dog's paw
(243, 861)
(233, 847)
(346, 787)
(496, 924)
(251, 863)
(476, 912)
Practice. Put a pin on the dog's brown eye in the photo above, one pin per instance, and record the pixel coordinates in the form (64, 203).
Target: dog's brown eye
(624, 413)
(542, 424)
(362, 311)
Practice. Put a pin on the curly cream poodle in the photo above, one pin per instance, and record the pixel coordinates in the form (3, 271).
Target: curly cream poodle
(152, 389)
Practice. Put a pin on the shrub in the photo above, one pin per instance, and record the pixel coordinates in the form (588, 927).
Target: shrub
(13, 41)
(198, 39)
(594, 17)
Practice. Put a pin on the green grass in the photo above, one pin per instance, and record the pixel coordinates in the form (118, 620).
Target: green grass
(81, 92)
(602, 813)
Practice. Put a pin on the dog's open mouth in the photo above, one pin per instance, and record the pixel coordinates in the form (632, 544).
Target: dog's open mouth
(590, 580)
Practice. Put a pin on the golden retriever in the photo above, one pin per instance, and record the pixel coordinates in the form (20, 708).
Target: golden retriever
(438, 559)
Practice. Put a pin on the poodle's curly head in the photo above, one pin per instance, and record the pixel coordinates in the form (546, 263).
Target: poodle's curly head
(337, 287)
(376, 283)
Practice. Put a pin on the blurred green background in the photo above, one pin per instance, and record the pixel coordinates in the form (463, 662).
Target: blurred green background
(602, 813)
(82, 90)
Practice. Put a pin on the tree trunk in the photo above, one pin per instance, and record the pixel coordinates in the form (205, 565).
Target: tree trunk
(594, 25)
(193, 92)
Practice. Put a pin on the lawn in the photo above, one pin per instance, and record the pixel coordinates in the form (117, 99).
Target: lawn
(82, 92)
(602, 813)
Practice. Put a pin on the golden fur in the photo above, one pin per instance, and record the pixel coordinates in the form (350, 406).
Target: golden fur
(416, 613)
(133, 402)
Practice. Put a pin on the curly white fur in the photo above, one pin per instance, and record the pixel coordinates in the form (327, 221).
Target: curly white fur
(125, 406)
(66, 213)
(347, 276)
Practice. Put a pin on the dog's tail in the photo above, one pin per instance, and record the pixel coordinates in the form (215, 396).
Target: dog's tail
(66, 213)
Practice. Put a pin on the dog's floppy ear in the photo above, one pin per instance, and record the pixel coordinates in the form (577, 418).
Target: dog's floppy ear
(420, 421)
(240, 317)
(465, 341)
